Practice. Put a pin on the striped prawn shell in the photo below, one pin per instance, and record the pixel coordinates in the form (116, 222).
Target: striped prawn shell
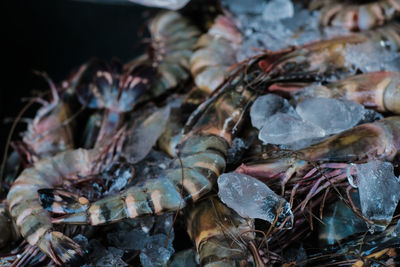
(215, 52)
(193, 173)
(32, 220)
(173, 40)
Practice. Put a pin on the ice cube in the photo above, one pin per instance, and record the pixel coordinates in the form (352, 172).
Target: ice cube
(155, 254)
(253, 199)
(340, 221)
(285, 129)
(331, 115)
(113, 258)
(369, 57)
(143, 135)
(379, 191)
(267, 105)
(278, 9)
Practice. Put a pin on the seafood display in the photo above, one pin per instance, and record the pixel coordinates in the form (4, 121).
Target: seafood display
(198, 153)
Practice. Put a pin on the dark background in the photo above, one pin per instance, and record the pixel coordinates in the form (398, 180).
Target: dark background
(57, 36)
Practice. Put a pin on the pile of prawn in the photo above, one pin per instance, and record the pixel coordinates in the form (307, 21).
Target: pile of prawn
(189, 99)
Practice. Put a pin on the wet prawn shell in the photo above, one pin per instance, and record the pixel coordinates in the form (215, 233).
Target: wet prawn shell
(214, 228)
(23, 198)
(173, 40)
(391, 98)
(215, 53)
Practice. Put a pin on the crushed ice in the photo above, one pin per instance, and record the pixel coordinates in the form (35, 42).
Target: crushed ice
(273, 25)
(340, 221)
(379, 191)
(314, 118)
(144, 133)
(266, 106)
(380, 57)
(331, 115)
(253, 199)
(275, 10)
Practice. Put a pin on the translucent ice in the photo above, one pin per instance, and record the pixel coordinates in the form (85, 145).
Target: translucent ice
(253, 199)
(281, 31)
(112, 258)
(379, 191)
(147, 235)
(332, 115)
(340, 221)
(286, 129)
(100, 256)
(155, 254)
(144, 133)
(278, 9)
(369, 57)
(267, 105)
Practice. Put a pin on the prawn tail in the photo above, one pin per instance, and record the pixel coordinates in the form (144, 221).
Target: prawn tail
(61, 249)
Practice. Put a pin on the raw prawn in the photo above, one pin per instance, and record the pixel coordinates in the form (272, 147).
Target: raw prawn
(324, 60)
(377, 90)
(201, 159)
(319, 166)
(24, 201)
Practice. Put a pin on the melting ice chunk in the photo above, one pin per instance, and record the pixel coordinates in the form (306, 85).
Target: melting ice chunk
(332, 115)
(253, 199)
(155, 254)
(143, 135)
(369, 57)
(340, 222)
(286, 129)
(266, 106)
(379, 191)
(278, 9)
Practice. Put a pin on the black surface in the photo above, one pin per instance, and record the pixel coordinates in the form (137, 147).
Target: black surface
(56, 36)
